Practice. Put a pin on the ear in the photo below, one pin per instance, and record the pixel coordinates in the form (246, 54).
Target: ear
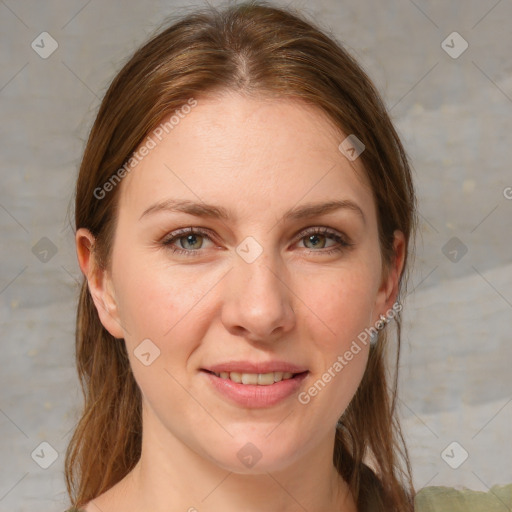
(388, 290)
(99, 282)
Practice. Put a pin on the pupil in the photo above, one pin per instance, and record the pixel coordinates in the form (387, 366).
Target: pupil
(192, 239)
(311, 239)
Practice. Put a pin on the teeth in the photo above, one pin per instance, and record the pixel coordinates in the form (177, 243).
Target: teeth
(250, 378)
(262, 379)
(236, 377)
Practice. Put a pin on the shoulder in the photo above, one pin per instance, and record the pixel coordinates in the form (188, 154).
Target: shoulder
(449, 499)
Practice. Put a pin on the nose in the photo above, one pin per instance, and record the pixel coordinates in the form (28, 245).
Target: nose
(258, 301)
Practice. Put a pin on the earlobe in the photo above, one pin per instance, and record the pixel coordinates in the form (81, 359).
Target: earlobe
(388, 291)
(99, 282)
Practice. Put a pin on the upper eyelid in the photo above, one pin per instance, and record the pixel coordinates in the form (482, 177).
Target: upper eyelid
(179, 233)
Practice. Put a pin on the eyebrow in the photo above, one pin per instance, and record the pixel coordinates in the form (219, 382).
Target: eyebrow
(218, 212)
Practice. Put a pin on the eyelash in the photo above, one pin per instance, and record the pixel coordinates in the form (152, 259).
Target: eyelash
(176, 235)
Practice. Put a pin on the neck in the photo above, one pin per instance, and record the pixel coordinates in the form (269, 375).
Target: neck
(170, 476)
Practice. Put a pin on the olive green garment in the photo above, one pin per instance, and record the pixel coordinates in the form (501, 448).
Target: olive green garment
(448, 499)
(441, 499)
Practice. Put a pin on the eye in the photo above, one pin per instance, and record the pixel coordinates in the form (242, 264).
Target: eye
(189, 241)
(315, 239)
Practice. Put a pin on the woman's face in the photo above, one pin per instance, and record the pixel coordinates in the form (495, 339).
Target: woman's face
(265, 284)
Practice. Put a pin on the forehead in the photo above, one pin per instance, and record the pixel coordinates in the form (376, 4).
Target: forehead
(254, 155)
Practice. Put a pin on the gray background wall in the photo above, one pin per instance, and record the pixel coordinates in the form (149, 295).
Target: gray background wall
(454, 115)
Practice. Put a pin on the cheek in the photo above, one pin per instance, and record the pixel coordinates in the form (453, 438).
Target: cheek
(343, 303)
(340, 302)
(166, 306)
(155, 299)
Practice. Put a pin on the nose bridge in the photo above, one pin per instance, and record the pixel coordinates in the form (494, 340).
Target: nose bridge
(261, 277)
(259, 302)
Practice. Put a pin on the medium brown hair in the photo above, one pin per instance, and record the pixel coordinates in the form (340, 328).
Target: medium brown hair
(254, 49)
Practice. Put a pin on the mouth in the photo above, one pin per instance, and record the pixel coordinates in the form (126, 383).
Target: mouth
(257, 379)
(255, 390)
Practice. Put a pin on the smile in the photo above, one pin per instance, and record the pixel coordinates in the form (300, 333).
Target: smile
(259, 379)
(255, 390)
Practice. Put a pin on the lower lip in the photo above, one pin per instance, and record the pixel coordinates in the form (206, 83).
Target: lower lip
(256, 396)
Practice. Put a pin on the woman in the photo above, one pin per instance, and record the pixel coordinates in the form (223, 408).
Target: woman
(245, 216)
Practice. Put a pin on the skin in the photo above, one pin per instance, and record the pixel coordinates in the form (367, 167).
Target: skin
(257, 158)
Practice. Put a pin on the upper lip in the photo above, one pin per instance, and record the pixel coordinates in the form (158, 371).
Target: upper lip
(252, 367)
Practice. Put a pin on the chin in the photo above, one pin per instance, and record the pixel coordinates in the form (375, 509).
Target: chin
(258, 456)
